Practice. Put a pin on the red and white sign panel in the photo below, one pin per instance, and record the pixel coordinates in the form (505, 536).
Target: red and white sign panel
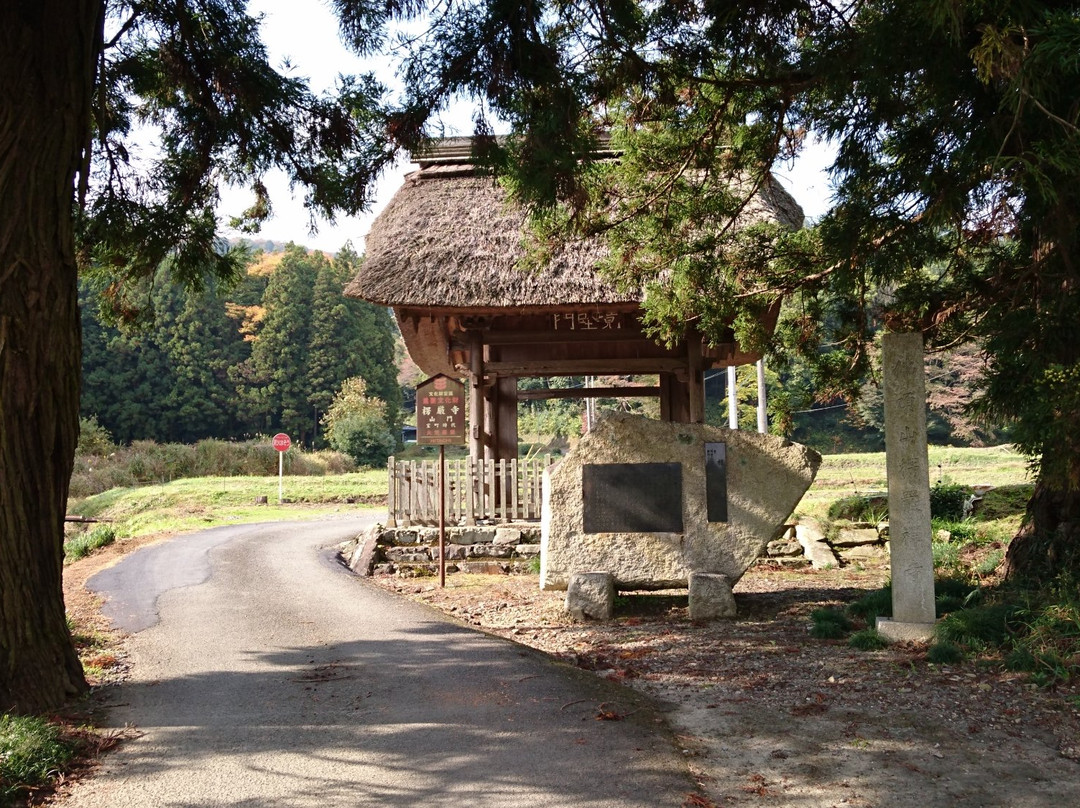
(282, 442)
(440, 411)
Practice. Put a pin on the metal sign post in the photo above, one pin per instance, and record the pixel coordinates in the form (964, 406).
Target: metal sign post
(440, 420)
(281, 442)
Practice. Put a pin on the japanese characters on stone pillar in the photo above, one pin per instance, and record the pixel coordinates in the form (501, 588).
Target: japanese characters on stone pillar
(910, 537)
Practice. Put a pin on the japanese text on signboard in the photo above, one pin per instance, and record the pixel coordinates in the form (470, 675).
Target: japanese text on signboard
(440, 411)
(587, 321)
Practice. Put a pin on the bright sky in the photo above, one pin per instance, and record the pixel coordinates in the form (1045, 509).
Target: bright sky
(305, 32)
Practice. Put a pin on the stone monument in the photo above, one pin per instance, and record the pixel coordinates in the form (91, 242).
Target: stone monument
(657, 505)
(911, 558)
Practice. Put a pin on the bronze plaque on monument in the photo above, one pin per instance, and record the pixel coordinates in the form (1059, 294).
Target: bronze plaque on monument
(632, 497)
(716, 481)
(440, 411)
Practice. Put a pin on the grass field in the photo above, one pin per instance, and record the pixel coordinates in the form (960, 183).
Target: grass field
(845, 474)
(200, 502)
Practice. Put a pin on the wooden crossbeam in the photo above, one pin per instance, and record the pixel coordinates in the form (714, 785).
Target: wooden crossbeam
(631, 391)
(586, 367)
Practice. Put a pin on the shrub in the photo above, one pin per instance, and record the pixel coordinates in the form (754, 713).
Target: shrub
(944, 653)
(951, 594)
(949, 501)
(149, 462)
(873, 605)
(1003, 501)
(859, 508)
(82, 546)
(356, 425)
(94, 439)
(867, 640)
(946, 557)
(977, 628)
(1046, 635)
(32, 751)
(962, 532)
(988, 566)
(829, 624)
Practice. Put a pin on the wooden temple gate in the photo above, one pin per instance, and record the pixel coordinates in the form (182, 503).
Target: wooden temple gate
(445, 255)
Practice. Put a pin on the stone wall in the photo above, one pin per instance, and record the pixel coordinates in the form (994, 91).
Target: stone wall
(414, 551)
(766, 477)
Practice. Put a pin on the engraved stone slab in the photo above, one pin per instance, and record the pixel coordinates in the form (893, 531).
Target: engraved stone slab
(632, 497)
(766, 477)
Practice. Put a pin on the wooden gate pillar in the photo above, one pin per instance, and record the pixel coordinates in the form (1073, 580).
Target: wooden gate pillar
(476, 397)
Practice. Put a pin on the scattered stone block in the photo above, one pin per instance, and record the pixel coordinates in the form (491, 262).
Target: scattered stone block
(591, 595)
(396, 537)
(484, 568)
(469, 535)
(507, 535)
(865, 553)
(815, 548)
(855, 536)
(402, 554)
(362, 561)
(710, 596)
(784, 548)
(527, 550)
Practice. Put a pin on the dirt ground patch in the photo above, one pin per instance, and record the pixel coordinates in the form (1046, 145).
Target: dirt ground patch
(768, 714)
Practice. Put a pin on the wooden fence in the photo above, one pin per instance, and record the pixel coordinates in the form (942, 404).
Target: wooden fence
(476, 491)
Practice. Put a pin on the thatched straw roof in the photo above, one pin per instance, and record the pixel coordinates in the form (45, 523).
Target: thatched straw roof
(451, 239)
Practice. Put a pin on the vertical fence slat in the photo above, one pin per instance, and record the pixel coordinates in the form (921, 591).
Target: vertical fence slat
(391, 494)
(409, 474)
(503, 492)
(514, 514)
(431, 485)
(422, 495)
(470, 493)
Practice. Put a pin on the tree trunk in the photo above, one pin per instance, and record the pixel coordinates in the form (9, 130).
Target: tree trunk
(1048, 545)
(47, 52)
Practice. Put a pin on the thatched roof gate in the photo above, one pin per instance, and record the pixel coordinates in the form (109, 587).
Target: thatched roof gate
(445, 255)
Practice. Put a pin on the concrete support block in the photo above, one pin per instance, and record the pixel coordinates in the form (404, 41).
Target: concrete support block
(898, 631)
(912, 559)
(591, 595)
(710, 596)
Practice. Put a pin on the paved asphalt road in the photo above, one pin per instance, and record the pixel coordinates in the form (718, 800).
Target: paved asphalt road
(266, 675)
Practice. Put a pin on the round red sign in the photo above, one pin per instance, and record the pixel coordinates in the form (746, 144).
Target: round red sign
(282, 442)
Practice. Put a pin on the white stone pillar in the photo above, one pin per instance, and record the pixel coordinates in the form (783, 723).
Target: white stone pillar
(762, 415)
(912, 558)
(732, 399)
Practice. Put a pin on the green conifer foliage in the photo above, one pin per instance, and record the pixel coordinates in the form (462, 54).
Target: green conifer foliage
(275, 388)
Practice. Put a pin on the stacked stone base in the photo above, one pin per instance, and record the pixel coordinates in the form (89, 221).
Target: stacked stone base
(806, 544)
(413, 552)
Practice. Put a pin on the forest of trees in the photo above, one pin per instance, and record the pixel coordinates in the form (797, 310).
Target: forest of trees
(264, 354)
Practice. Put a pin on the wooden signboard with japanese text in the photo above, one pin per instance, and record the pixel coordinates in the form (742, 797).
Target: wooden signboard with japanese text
(440, 411)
